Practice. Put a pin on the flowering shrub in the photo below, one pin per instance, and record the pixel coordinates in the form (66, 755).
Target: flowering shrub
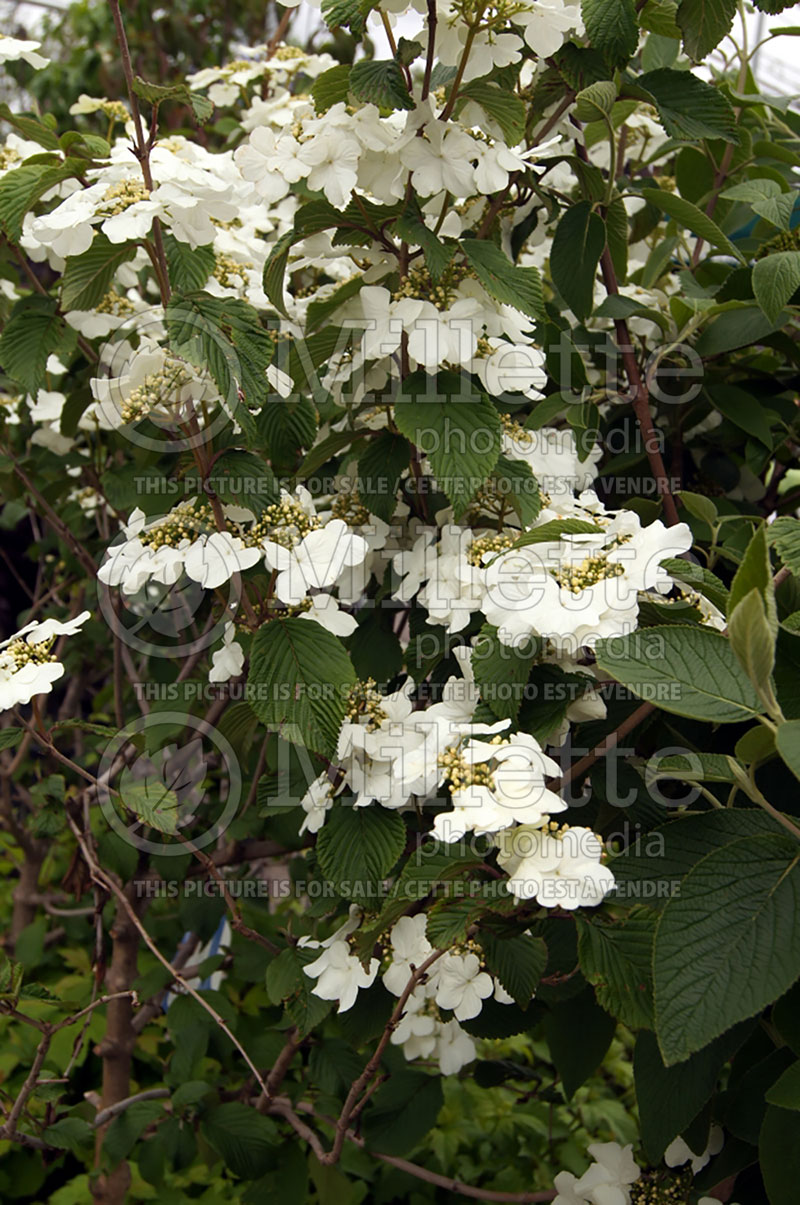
(402, 724)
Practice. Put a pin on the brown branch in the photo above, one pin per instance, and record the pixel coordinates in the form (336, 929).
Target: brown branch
(353, 1105)
(606, 745)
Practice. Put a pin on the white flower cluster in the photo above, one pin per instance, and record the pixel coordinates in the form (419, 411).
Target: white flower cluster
(606, 1182)
(454, 981)
(28, 666)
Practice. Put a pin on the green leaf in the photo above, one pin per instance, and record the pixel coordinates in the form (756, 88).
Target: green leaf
(617, 959)
(553, 530)
(359, 846)
(379, 468)
(669, 1098)
(438, 255)
(775, 279)
(243, 479)
(501, 672)
(31, 127)
(742, 327)
(704, 23)
(596, 102)
(9, 737)
(500, 105)
(612, 28)
(70, 1134)
(698, 578)
(275, 269)
(617, 237)
(784, 535)
(331, 87)
(225, 336)
(787, 742)
(22, 187)
(33, 332)
(577, 246)
(518, 962)
(459, 432)
(507, 283)
(189, 269)
(765, 197)
(402, 1112)
(87, 278)
(785, 1092)
(514, 482)
(353, 13)
(245, 1140)
(700, 506)
(380, 82)
(716, 966)
(154, 804)
(689, 108)
(126, 1130)
(157, 94)
(779, 1147)
(578, 1032)
(752, 639)
(300, 676)
(755, 573)
(690, 216)
(741, 408)
(690, 671)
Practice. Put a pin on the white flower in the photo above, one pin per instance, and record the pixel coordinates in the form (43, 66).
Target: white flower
(546, 23)
(27, 667)
(227, 662)
(679, 1152)
(417, 1030)
(557, 869)
(212, 560)
(333, 159)
(441, 161)
(410, 948)
(607, 1179)
(316, 803)
(454, 1048)
(340, 974)
(462, 985)
(516, 790)
(325, 611)
(316, 562)
(13, 49)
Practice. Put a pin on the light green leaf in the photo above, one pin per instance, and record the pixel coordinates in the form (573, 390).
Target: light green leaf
(787, 742)
(775, 279)
(595, 102)
(766, 198)
(154, 803)
(785, 1092)
(752, 640)
(700, 506)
